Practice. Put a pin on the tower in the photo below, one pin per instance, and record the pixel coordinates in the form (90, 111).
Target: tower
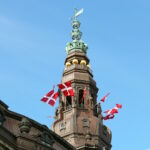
(78, 119)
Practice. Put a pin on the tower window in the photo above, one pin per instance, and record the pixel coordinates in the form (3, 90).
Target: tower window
(68, 102)
(81, 99)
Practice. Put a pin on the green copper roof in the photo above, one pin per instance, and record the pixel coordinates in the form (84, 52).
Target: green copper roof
(77, 44)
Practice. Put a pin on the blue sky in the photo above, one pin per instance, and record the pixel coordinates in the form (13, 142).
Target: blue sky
(33, 36)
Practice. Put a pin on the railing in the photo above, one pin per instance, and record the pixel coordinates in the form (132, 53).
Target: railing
(78, 66)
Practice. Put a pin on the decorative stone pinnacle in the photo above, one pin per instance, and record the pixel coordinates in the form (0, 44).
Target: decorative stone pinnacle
(77, 44)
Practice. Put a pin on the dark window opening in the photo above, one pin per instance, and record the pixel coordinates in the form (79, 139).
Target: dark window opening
(81, 98)
(68, 102)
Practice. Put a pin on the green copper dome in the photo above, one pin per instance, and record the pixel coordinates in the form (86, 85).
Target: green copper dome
(77, 44)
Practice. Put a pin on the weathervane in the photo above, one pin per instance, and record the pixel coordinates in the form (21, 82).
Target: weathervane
(77, 13)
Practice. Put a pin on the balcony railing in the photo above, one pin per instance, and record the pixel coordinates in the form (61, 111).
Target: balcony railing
(78, 66)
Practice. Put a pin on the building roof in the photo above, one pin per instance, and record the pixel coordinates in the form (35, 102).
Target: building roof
(15, 128)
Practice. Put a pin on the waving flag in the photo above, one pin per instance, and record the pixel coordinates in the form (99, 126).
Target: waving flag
(119, 106)
(113, 110)
(108, 117)
(50, 97)
(104, 98)
(66, 88)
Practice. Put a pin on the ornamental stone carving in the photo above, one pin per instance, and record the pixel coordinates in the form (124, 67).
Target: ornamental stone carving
(25, 125)
(85, 123)
(46, 138)
(62, 126)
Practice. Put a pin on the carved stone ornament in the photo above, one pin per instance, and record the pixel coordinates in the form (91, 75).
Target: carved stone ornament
(86, 123)
(62, 125)
(25, 125)
(46, 138)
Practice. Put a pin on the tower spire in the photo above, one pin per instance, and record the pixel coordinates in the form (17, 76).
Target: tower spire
(77, 44)
(77, 118)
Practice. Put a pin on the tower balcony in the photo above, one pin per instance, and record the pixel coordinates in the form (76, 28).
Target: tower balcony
(77, 68)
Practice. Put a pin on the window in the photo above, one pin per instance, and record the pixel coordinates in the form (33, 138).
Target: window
(81, 99)
(68, 102)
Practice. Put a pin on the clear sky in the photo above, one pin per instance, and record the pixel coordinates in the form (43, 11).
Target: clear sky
(33, 36)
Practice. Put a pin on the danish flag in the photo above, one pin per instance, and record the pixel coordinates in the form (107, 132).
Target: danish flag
(111, 111)
(114, 110)
(50, 97)
(103, 99)
(66, 88)
(119, 106)
(108, 117)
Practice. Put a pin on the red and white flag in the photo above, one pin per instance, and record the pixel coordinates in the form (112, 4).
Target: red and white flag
(84, 93)
(50, 97)
(66, 88)
(104, 98)
(119, 106)
(108, 117)
(113, 110)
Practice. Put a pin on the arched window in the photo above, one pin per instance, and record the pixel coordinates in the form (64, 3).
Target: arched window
(81, 99)
(68, 102)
